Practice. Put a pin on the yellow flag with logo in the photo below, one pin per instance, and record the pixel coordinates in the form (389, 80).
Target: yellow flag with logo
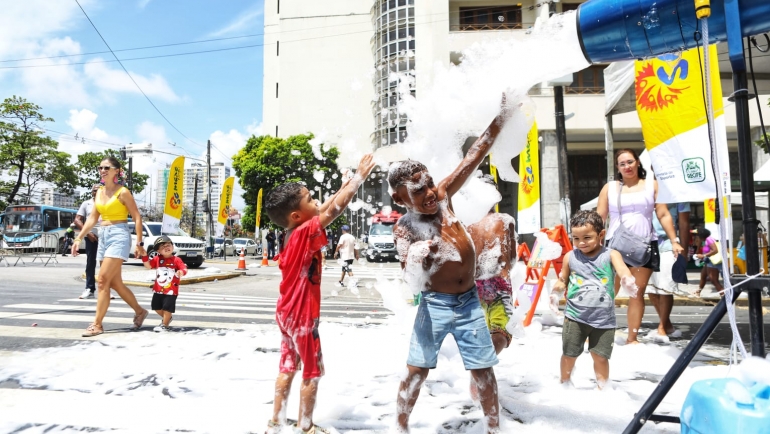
(670, 105)
(172, 209)
(225, 202)
(529, 187)
(259, 209)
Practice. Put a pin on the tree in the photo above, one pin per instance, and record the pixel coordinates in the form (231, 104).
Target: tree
(88, 175)
(26, 155)
(265, 162)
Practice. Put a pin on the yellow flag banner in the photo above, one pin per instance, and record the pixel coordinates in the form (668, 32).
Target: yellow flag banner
(709, 208)
(225, 201)
(529, 187)
(172, 208)
(669, 102)
(259, 209)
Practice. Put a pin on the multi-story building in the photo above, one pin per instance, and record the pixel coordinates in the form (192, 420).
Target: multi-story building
(48, 196)
(328, 67)
(219, 172)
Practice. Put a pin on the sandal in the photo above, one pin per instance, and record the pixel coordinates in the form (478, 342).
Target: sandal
(93, 330)
(273, 427)
(139, 319)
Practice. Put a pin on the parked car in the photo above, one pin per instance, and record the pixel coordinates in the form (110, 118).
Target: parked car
(229, 248)
(250, 246)
(192, 251)
(381, 245)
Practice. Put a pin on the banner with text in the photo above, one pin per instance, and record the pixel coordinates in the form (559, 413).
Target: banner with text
(529, 187)
(670, 105)
(172, 209)
(225, 201)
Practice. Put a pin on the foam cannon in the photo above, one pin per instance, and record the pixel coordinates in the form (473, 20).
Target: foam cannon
(612, 30)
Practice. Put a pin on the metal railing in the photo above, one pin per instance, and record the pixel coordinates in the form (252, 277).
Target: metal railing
(44, 247)
(488, 26)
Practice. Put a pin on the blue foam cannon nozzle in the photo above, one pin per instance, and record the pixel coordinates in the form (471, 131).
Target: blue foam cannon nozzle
(612, 30)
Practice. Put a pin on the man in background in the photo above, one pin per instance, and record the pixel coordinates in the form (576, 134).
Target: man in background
(346, 249)
(92, 242)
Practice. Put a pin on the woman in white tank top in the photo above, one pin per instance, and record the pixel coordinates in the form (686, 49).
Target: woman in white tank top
(637, 201)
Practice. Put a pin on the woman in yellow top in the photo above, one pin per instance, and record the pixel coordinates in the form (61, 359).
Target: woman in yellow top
(113, 203)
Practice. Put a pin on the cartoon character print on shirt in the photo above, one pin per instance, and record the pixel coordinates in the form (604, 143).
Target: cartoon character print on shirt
(165, 278)
(588, 297)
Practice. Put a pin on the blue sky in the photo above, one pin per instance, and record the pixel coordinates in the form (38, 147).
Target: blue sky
(216, 96)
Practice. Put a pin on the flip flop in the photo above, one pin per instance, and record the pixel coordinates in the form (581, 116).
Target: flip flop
(93, 330)
(139, 319)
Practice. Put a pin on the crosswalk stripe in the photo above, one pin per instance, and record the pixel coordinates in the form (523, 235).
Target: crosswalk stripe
(61, 308)
(87, 319)
(327, 302)
(269, 307)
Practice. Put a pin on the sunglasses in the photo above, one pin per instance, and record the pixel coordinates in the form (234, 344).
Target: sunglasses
(100, 168)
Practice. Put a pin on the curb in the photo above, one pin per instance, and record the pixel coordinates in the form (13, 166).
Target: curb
(184, 281)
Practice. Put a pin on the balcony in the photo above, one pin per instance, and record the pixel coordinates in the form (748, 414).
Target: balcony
(487, 26)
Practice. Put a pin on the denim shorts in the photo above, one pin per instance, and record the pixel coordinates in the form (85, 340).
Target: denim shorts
(459, 314)
(114, 242)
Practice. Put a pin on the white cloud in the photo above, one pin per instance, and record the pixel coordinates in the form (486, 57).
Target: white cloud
(143, 3)
(116, 80)
(90, 138)
(245, 21)
(254, 129)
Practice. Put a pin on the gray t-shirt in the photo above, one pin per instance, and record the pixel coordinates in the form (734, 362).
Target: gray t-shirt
(85, 211)
(591, 289)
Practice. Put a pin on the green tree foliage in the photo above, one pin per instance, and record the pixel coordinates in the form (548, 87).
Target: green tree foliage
(266, 162)
(27, 157)
(87, 174)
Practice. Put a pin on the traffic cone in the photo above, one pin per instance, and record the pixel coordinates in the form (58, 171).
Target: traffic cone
(264, 259)
(241, 262)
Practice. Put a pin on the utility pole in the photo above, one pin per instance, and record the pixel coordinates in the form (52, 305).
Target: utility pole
(209, 223)
(195, 206)
(565, 208)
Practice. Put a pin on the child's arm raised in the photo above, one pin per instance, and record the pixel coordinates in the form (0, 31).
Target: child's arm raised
(627, 280)
(330, 200)
(480, 148)
(340, 200)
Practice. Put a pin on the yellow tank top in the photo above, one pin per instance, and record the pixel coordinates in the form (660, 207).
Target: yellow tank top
(112, 210)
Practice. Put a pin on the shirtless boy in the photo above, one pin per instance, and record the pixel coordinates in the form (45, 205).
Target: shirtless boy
(438, 259)
(494, 238)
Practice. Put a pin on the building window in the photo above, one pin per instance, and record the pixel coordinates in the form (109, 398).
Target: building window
(276, 90)
(278, 9)
(276, 131)
(277, 48)
(490, 18)
(587, 81)
(569, 7)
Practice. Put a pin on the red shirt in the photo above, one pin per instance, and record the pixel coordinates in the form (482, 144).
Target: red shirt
(166, 281)
(300, 265)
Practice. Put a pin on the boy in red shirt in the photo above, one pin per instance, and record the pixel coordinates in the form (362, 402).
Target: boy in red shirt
(299, 305)
(170, 270)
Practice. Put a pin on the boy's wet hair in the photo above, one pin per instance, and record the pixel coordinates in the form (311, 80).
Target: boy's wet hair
(587, 218)
(282, 201)
(401, 172)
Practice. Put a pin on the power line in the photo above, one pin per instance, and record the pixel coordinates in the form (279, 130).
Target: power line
(253, 35)
(132, 78)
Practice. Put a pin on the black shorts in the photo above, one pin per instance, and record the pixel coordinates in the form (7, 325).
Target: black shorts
(163, 302)
(346, 267)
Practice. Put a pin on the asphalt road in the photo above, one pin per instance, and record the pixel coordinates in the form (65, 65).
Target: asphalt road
(47, 297)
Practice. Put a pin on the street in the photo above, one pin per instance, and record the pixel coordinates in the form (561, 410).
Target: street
(224, 346)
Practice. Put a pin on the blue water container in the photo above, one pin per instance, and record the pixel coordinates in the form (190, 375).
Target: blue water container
(725, 405)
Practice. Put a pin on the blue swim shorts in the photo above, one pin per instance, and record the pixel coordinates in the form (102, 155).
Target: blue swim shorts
(114, 242)
(459, 314)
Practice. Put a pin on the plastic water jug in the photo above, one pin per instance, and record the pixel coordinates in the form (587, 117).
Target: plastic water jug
(726, 405)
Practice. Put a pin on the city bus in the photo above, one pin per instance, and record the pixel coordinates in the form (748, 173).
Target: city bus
(23, 225)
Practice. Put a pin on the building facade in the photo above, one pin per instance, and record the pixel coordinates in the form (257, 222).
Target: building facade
(219, 172)
(48, 196)
(329, 67)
